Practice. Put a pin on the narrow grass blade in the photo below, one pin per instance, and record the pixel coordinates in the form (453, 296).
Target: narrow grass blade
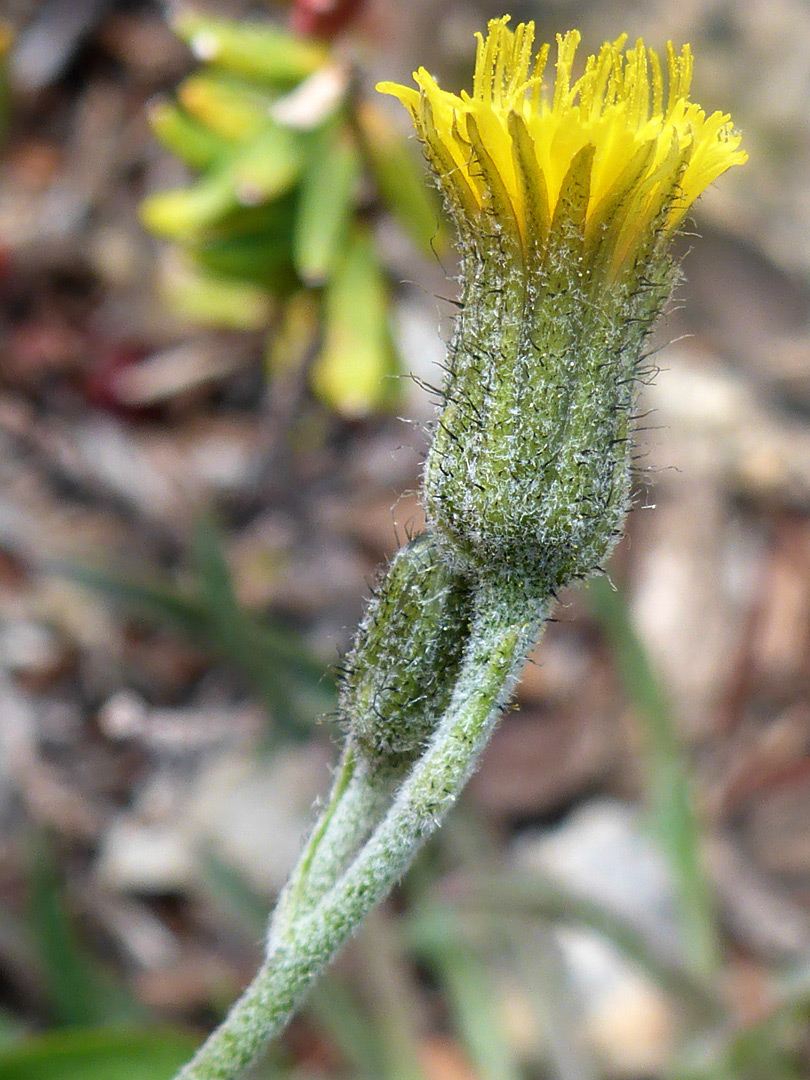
(456, 962)
(79, 995)
(668, 781)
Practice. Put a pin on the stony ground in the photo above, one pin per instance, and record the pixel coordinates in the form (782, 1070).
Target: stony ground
(153, 793)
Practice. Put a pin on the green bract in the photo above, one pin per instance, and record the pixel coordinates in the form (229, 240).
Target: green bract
(403, 667)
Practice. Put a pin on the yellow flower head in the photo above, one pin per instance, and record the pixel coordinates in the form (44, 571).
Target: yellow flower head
(614, 150)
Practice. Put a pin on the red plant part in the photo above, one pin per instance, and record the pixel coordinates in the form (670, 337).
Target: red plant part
(323, 18)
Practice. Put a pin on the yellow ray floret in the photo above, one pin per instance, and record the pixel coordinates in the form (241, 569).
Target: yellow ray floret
(623, 133)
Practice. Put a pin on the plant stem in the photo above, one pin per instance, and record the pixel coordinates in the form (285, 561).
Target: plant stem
(357, 802)
(502, 632)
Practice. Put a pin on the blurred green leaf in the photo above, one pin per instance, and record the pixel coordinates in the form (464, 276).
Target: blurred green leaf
(160, 600)
(257, 50)
(98, 1055)
(262, 260)
(245, 907)
(208, 299)
(231, 626)
(326, 203)
(195, 145)
(667, 775)
(275, 670)
(399, 174)
(539, 896)
(258, 172)
(253, 246)
(274, 204)
(336, 1008)
(268, 166)
(353, 371)
(554, 1001)
(388, 988)
(292, 340)
(79, 994)
(230, 108)
(166, 603)
(769, 1050)
(272, 219)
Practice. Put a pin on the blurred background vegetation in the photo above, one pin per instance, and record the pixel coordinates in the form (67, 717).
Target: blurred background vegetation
(224, 288)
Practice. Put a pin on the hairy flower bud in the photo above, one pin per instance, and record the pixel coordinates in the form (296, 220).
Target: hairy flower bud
(401, 671)
(565, 204)
(529, 471)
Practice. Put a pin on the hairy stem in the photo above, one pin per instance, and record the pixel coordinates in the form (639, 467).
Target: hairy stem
(502, 633)
(358, 801)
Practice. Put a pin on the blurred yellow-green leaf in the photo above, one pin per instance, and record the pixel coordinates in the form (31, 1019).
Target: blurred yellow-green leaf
(182, 212)
(400, 178)
(194, 144)
(256, 50)
(227, 106)
(258, 172)
(275, 205)
(325, 204)
(268, 166)
(353, 372)
(208, 300)
(293, 339)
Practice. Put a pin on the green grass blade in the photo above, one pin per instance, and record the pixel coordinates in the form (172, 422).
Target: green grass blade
(295, 686)
(146, 1054)
(79, 995)
(440, 938)
(669, 787)
(535, 895)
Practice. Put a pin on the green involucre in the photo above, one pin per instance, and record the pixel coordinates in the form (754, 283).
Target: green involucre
(406, 657)
(528, 475)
